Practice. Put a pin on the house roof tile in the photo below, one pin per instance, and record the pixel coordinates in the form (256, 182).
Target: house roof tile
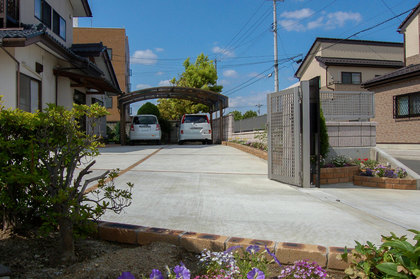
(359, 62)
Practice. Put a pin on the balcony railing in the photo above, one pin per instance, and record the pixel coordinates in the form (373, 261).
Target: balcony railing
(347, 105)
(9, 13)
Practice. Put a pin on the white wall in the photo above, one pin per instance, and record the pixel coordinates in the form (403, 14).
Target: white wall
(62, 7)
(8, 79)
(412, 38)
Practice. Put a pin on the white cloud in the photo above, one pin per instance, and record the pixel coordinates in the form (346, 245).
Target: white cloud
(298, 14)
(223, 82)
(159, 73)
(292, 25)
(159, 49)
(165, 82)
(327, 21)
(142, 86)
(340, 18)
(249, 101)
(223, 51)
(230, 73)
(145, 57)
(316, 23)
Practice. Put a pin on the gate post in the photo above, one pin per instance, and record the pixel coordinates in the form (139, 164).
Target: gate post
(221, 122)
(123, 139)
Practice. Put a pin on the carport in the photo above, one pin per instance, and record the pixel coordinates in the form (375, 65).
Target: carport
(215, 101)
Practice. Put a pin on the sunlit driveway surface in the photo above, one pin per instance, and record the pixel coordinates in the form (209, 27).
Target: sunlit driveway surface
(221, 190)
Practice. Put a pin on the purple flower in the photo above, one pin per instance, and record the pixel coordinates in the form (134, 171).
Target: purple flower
(252, 249)
(273, 255)
(182, 272)
(255, 273)
(232, 248)
(126, 275)
(156, 274)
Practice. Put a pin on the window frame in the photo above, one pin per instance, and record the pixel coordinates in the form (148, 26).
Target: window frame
(31, 79)
(57, 27)
(410, 97)
(351, 77)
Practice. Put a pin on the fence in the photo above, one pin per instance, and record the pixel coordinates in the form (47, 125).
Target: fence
(250, 124)
(340, 105)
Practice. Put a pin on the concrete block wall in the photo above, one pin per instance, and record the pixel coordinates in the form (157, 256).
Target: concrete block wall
(351, 134)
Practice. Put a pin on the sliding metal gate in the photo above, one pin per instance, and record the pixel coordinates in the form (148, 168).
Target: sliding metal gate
(288, 136)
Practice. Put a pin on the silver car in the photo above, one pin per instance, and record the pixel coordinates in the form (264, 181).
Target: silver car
(145, 127)
(195, 127)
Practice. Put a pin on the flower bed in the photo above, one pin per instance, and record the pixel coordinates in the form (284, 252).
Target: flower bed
(251, 150)
(338, 174)
(385, 182)
(373, 174)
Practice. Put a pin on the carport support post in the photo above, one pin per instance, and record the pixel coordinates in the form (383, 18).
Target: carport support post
(211, 125)
(221, 122)
(123, 138)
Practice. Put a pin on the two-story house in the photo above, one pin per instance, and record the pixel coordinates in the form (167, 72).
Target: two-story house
(116, 41)
(397, 94)
(38, 62)
(343, 64)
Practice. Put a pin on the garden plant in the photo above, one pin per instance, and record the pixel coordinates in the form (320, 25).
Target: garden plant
(237, 262)
(45, 158)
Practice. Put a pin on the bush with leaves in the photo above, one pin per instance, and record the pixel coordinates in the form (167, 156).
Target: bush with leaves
(49, 147)
(395, 258)
(149, 108)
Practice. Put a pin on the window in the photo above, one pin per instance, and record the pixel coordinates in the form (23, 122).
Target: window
(43, 12)
(108, 102)
(59, 25)
(30, 94)
(351, 78)
(407, 105)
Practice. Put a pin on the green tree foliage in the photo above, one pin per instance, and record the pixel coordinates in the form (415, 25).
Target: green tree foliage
(325, 145)
(149, 108)
(249, 114)
(39, 156)
(237, 115)
(203, 75)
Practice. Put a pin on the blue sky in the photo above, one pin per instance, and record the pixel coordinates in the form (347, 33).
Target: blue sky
(237, 34)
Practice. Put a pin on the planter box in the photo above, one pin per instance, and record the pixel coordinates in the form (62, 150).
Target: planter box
(385, 182)
(251, 150)
(338, 175)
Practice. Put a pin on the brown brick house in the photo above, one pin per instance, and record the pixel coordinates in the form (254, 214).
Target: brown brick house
(397, 94)
(116, 41)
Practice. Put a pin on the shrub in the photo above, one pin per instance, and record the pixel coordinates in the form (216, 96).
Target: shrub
(395, 258)
(44, 150)
(149, 108)
(325, 145)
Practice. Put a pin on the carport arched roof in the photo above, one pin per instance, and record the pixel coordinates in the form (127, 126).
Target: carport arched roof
(212, 99)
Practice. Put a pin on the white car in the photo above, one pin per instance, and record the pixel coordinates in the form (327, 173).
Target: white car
(194, 127)
(145, 127)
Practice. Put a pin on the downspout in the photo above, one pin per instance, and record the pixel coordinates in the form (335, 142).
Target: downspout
(17, 75)
(326, 78)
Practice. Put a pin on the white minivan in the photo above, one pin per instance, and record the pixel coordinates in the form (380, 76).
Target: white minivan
(194, 127)
(145, 127)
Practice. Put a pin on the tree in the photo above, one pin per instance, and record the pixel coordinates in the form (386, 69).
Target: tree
(149, 108)
(203, 75)
(52, 147)
(249, 114)
(324, 139)
(237, 115)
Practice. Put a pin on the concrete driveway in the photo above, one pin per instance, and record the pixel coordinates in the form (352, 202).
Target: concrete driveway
(221, 190)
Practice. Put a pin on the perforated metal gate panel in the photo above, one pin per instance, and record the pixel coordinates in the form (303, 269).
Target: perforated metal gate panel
(284, 142)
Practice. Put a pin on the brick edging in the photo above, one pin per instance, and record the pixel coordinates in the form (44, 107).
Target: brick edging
(286, 252)
(253, 151)
(385, 182)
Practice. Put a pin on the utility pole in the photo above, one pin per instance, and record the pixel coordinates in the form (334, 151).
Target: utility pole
(259, 106)
(276, 60)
